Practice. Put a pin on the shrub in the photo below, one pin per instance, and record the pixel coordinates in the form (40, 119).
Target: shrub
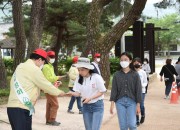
(114, 65)
(9, 65)
(64, 65)
(4, 92)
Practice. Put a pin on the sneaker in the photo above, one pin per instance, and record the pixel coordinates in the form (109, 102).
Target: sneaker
(167, 97)
(53, 123)
(80, 112)
(142, 119)
(70, 111)
(137, 124)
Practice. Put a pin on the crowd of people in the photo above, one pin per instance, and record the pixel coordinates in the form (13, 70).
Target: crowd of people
(87, 87)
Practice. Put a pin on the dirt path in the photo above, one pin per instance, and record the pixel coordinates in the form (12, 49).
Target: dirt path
(160, 114)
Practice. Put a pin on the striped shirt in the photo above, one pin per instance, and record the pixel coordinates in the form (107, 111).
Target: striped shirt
(126, 84)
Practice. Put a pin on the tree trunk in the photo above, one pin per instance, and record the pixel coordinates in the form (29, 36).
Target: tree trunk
(3, 76)
(104, 63)
(19, 32)
(36, 25)
(105, 43)
(57, 47)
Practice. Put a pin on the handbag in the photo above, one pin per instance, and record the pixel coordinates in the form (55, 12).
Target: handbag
(170, 73)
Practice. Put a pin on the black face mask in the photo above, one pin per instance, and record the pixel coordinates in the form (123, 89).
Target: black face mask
(137, 66)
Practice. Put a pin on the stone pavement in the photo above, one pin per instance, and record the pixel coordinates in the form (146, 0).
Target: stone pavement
(160, 114)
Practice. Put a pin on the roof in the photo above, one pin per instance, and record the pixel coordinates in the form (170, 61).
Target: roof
(8, 43)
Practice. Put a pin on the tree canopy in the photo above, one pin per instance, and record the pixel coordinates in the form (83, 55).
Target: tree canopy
(68, 21)
(170, 37)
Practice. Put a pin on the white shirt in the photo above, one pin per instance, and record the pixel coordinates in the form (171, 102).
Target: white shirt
(90, 87)
(146, 68)
(143, 77)
(97, 67)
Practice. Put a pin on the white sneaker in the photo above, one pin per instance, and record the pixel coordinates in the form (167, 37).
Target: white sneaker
(167, 97)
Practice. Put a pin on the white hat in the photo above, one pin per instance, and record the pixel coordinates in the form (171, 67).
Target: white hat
(84, 62)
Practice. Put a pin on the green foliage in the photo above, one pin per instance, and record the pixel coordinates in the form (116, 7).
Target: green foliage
(1, 1)
(9, 65)
(70, 16)
(4, 92)
(64, 66)
(118, 7)
(64, 87)
(164, 4)
(172, 35)
(114, 65)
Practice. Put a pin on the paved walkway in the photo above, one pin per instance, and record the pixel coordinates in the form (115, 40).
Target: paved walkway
(160, 114)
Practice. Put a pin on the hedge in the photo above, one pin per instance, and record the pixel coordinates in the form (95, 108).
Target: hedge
(64, 65)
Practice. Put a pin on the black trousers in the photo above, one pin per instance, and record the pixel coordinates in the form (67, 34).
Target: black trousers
(147, 84)
(19, 119)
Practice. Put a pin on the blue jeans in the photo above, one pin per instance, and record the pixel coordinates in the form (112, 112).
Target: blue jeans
(168, 88)
(93, 115)
(73, 98)
(126, 111)
(141, 106)
(71, 103)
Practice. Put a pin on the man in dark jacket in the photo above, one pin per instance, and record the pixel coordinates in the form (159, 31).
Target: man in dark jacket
(168, 71)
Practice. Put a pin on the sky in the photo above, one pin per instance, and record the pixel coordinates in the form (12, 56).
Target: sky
(151, 11)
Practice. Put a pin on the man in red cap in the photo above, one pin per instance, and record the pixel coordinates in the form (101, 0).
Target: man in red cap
(25, 86)
(73, 74)
(95, 63)
(52, 104)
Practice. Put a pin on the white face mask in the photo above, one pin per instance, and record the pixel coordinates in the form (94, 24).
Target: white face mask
(52, 61)
(98, 59)
(124, 64)
(41, 66)
(145, 62)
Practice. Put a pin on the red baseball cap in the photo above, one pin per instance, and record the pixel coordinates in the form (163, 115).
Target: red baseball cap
(51, 53)
(75, 59)
(41, 52)
(97, 55)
